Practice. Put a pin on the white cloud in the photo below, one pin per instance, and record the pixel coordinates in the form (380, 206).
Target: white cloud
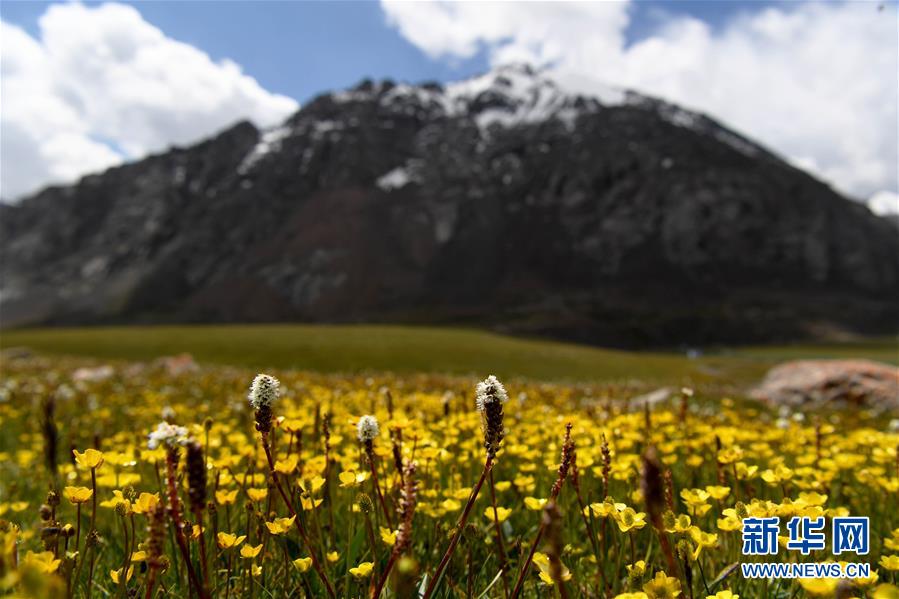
(102, 82)
(816, 82)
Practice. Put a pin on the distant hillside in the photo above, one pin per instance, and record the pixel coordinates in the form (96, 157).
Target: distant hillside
(503, 201)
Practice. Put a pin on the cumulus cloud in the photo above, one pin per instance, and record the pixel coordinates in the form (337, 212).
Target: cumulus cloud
(101, 85)
(816, 82)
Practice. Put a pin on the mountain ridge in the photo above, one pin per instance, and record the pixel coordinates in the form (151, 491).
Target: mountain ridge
(503, 202)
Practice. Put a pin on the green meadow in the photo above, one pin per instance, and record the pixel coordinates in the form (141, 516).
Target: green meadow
(355, 348)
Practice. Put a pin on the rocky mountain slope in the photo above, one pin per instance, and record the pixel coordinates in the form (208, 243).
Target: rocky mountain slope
(502, 201)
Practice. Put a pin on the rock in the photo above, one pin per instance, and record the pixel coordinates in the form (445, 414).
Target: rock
(177, 365)
(652, 398)
(93, 374)
(832, 383)
(504, 202)
(15, 353)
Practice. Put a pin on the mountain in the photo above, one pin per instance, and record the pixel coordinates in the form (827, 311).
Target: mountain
(503, 202)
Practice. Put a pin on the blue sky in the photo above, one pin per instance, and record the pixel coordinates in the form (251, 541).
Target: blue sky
(289, 47)
(87, 86)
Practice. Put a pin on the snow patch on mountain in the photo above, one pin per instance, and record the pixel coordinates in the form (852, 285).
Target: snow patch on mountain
(269, 141)
(395, 179)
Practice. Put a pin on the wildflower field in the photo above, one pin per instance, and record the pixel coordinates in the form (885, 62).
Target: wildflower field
(133, 481)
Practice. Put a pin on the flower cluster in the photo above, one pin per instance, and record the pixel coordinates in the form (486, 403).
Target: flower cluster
(367, 429)
(167, 435)
(488, 391)
(264, 391)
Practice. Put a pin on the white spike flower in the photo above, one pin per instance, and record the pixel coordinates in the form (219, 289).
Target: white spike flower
(490, 390)
(367, 428)
(169, 435)
(264, 391)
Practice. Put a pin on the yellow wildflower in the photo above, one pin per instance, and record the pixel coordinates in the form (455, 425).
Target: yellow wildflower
(227, 540)
(91, 458)
(78, 494)
(362, 570)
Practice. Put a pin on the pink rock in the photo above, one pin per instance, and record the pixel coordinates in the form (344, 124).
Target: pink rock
(834, 382)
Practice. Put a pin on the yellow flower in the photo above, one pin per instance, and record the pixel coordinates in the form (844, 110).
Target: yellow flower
(890, 562)
(116, 574)
(117, 499)
(502, 513)
(606, 508)
(91, 458)
(287, 465)
(226, 497)
(703, 538)
(777, 476)
(302, 563)
(532, 503)
(450, 505)
(813, 498)
(78, 494)
(820, 586)
(695, 496)
(662, 587)
(637, 569)
(332, 556)
(227, 540)
(257, 494)
(146, 502)
(351, 478)
(280, 525)
(308, 503)
(637, 595)
(388, 536)
(43, 561)
(723, 595)
(628, 519)
(681, 523)
(256, 570)
(362, 570)
(716, 492)
(885, 591)
(312, 485)
(745, 471)
(249, 552)
(541, 560)
(729, 455)
(139, 556)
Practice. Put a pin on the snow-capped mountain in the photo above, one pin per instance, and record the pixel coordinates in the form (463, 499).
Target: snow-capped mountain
(504, 201)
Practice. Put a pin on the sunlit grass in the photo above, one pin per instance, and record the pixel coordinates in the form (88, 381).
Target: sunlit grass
(354, 348)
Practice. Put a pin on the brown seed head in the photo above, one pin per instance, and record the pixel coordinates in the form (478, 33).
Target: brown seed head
(652, 486)
(196, 477)
(565, 463)
(406, 508)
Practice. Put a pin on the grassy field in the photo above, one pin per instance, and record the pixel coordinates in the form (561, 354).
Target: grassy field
(347, 486)
(354, 348)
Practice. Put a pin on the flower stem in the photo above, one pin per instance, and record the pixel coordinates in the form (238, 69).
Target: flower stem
(315, 563)
(499, 536)
(438, 574)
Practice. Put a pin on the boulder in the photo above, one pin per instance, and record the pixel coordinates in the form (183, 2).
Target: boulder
(835, 383)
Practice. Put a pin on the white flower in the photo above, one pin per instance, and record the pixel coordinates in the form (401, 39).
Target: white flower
(263, 391)
(367, 428)
(167, 434)
(490, 390)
